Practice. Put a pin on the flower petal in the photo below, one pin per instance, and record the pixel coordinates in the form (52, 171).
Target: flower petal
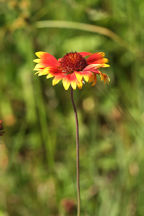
(80, 84)
(36, 60)
(47, 59)
(73, 84)
(83, 74)
(86, 78)
(55, 81)
(66, 84)
(100, 61)
(49, 76)
(104, 77)
(83, 54)
(92, 67)
(38, 67)
(94, 57)
(78, 76)
(39, 54)
(45, 71)
(93, 79)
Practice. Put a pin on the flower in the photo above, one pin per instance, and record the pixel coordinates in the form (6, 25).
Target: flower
(69, 206)
(73, 69)
(1, 128)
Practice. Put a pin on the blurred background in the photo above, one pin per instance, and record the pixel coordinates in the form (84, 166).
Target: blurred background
(37, 151)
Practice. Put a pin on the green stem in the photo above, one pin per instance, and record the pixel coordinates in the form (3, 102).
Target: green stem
(77, 154)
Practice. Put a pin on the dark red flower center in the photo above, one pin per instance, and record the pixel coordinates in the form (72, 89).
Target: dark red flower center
(72, 62)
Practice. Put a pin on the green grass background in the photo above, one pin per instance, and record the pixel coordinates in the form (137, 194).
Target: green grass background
(37, 151)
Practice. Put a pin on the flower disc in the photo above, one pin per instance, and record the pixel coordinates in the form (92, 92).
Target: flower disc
(72, 62)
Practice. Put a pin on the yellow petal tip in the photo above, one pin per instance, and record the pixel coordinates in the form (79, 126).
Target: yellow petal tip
(66, 84)
(39, 54)
(36, 60)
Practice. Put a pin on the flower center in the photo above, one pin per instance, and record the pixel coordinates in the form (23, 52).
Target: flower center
(72, 61)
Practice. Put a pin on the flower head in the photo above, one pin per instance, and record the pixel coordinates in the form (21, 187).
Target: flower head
(1, 128)
(69, 206)
(73, 69)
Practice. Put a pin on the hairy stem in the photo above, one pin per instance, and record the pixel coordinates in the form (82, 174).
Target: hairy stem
(77, 154)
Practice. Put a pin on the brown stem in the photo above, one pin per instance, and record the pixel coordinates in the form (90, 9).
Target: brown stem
(77, 154)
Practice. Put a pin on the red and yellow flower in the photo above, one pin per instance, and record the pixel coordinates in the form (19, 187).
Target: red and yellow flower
(73, 69)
